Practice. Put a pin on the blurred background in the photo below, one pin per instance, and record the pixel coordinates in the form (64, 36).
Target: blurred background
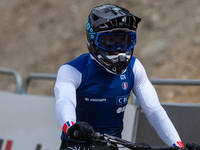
(41, 35)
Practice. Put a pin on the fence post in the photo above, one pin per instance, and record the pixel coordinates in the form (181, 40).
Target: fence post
(31, 76)
(18, 79)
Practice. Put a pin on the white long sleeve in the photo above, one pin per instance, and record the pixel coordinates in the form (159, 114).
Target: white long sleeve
(68, 79)
(150, 104)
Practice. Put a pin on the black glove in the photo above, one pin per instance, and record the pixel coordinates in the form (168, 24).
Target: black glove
(81, 131)
(192, 146)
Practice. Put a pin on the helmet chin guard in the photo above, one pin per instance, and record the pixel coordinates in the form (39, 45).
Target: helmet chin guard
(119, 62)
(116, 64)
(111, 36)
(121, 57)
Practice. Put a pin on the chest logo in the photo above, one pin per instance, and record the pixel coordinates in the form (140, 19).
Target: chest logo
(122, 77)
(122, 100)
(124, 85)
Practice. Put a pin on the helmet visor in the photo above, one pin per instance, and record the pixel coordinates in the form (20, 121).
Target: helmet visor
(113, 41)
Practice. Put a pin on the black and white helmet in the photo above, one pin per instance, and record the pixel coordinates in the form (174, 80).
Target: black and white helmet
(111, 36)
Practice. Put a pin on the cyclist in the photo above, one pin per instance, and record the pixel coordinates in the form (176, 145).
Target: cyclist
(92, 90)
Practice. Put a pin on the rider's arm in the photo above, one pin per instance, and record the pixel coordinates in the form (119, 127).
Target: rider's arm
(68, 79)
(150, 104)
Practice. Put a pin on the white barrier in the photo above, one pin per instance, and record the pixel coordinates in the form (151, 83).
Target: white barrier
(29, 122)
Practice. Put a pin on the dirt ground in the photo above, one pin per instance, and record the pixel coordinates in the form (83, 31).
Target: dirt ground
(39, 36)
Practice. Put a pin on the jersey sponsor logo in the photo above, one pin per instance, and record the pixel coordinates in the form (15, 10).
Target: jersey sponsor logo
(121, 109)
(121, 100)
(87, 99)
(124, 85)
(122, 77)
(95, 100)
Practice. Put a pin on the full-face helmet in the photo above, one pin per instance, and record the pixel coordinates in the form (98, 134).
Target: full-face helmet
(111, 36)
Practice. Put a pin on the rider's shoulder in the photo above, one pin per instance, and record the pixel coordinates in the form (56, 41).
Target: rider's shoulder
(80, 62)
(135, 63)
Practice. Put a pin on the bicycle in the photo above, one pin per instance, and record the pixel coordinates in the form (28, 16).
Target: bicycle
(104, 141)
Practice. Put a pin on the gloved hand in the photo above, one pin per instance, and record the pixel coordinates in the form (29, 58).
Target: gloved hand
(192, 146)
(85, 131)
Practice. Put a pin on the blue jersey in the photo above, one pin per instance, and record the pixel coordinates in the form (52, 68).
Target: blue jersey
(102, 97)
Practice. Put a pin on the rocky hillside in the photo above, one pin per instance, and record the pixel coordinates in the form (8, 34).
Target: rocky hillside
(39, 36)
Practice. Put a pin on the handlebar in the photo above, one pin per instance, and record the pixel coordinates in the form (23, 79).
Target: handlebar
(105, 140)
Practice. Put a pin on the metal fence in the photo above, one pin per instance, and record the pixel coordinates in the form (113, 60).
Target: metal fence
(37, 76)
(18, 79)
(175, 81)
(22, 88)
